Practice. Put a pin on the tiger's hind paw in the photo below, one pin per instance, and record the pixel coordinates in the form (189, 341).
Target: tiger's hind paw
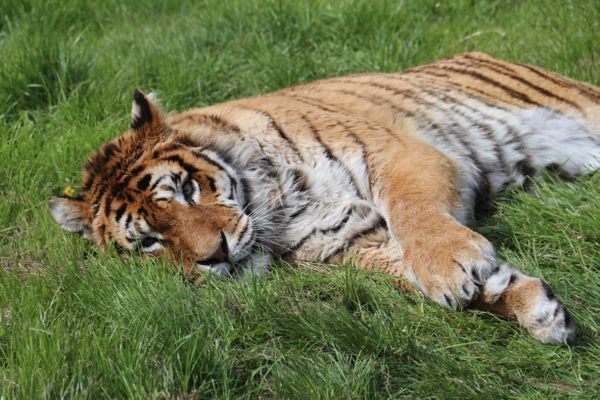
(549, 321)
(530, 301)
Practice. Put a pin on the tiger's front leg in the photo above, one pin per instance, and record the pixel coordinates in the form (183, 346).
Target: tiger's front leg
(450, 263)
(419, 196)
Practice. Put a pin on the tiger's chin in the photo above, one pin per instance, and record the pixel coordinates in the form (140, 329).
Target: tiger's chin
(256, 264)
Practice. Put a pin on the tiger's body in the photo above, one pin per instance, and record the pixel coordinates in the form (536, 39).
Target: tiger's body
(381, 170)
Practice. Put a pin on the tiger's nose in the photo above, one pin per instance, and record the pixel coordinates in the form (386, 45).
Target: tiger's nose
(220, 255)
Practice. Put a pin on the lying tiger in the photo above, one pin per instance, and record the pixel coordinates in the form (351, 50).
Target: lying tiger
(384, 171)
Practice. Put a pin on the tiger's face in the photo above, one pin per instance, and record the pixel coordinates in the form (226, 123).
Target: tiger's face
(159, 194)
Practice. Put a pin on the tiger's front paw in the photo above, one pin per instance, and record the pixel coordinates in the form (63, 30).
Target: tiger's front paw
(452, 268)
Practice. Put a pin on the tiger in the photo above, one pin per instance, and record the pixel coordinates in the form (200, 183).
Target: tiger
(382, 171)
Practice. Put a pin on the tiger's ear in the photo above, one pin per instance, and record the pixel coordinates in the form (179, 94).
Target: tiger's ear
(72, 215)
(144, 112)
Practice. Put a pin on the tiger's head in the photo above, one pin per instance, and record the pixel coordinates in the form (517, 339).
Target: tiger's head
(163, 193)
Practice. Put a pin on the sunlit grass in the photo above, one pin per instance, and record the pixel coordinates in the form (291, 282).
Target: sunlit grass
(77, 323)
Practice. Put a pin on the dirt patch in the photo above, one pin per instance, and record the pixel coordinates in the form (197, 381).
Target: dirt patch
(26, 263)
(5, 315)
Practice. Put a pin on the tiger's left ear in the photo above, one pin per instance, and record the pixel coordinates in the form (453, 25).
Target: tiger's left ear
(72, 215)
(144, 112)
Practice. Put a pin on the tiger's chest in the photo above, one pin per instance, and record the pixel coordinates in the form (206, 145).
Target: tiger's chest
(326, 211)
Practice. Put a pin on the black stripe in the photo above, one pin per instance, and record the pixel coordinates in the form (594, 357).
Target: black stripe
(483, 193)
(447, 79)
(166, 149)
(120, 249)
(334, 229)
(547, 290)
(476, 75)
(329, 154)
(120, 211)
(190, 169)
(511, 131)
(298, 212)
(145, 113)
(349, 132)
(299, 243)
(237, 223)
(244, 230)
(134, 172)
(232, 180)
(249, 240)
(100, 191)
(299, 180)
(247, 190)
(109, 150)
(317, 136)
(405, 93)
(176, 177)
(207, 119)
(144, 182)
(209, 160)
(211, 183)
(107, 204)
(379, 224)
(560, 81)
(341, 224)
(87, 185)
(377, 100)
(505, 71)
(233, 184)
(155, 184)
(184, 139)
(526, 169)
(486, 129)
(278, 129)
(363, 150)
(128, 221)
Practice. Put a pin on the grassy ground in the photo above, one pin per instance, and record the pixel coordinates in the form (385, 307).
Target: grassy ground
(75, 323)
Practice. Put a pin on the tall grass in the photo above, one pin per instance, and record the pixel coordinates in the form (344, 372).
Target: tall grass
(77, 323)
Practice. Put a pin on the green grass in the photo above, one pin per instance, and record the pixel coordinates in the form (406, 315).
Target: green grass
(77, 323)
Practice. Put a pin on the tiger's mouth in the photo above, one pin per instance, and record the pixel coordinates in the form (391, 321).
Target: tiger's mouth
(223, 268)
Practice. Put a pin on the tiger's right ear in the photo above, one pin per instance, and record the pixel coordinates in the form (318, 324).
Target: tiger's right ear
(143, 110)
(71, 215)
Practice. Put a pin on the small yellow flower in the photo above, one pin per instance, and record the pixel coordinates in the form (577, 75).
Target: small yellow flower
(69, 191)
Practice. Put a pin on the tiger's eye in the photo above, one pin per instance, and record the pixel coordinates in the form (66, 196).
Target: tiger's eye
(188, 190)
